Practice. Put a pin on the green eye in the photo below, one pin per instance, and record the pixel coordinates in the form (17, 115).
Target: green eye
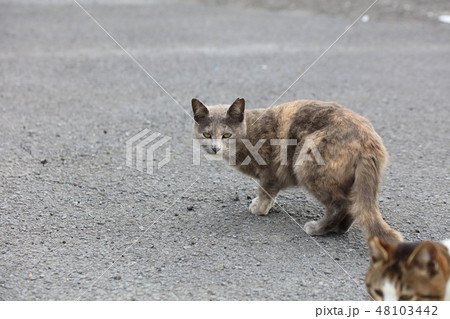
(405, 298)
(226, 135)
(207, 135)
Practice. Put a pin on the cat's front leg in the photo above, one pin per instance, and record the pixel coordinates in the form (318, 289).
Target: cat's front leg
(267, 192)
(260, 206)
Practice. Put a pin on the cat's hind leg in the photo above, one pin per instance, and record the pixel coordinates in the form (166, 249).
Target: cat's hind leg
(345, 224)
(267, 192)
(336, 219)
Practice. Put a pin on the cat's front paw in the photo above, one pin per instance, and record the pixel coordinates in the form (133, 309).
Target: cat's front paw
(260, 207)
(312, 228)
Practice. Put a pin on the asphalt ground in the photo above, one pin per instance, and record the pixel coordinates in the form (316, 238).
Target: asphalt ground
(77, 223)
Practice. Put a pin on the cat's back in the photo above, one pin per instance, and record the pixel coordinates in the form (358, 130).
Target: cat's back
(311, 112)
(300, 118)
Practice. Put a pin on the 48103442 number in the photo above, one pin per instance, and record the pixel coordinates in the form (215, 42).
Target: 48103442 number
(407, 310)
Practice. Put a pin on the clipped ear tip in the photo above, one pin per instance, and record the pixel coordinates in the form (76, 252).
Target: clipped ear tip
(236, 110)
(239, 103)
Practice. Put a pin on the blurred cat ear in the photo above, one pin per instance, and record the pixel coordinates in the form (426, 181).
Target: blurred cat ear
(377, 249)
(236, 110)
(425, 256)
(199, 109)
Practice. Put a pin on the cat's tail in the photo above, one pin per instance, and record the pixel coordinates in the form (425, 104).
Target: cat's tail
(364, 196)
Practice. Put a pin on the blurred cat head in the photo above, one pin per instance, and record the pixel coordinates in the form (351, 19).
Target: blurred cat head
(408, 271)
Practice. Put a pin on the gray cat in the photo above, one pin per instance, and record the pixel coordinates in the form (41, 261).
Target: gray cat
(329, 150)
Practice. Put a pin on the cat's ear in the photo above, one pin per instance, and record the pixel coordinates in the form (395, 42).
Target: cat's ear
(236, 110)
(425, 257)
(378, 250)
(199, 109)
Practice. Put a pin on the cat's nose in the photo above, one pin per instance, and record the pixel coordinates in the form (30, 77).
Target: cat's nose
(215, 149)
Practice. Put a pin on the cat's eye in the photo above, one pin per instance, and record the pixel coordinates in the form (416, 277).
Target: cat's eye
(405, 298)
(379, 293)
(226, 135)
(207, 135)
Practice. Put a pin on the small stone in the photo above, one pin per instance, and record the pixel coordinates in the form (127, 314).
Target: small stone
(190, 207)
(236, 198)
(44, 161)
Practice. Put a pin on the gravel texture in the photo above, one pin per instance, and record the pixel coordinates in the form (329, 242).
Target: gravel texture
(77, 223)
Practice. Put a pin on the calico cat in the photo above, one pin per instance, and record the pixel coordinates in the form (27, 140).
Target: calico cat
(409, 271)
(277, 146)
